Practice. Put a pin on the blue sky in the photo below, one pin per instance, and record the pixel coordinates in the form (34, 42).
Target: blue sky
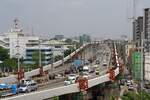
(98, 18)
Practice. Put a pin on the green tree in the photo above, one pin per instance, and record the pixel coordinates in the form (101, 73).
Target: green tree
(69, 41)
(112, 97)
(9, 63)
(3, 54)
(35, 58)
(58, 57)
(67, 52)
(134, 96)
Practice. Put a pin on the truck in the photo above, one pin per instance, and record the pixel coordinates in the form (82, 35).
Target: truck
(8, 90)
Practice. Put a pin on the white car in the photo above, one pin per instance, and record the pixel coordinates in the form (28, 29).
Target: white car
(70, 79)
(129, 82)
(86, 76)
(130, 87)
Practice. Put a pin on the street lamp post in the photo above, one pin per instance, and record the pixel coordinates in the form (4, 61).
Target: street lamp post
(40, 53)
(142, 63)
(40, 62)
(18, 58)
(62, 56)
(52, 65)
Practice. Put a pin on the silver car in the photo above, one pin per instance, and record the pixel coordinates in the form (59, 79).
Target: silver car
(25, 88)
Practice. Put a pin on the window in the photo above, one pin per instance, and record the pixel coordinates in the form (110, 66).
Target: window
(57, 46)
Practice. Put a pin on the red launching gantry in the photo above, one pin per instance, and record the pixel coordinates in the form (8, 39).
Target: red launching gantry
(83, 84)
(111, 74)
(21, 73)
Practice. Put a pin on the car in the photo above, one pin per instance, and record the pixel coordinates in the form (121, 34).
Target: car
(129, 82)
(97, 72)
(80, 68)
(86, 62)
(97, 62)
(104, 64)
(25, 88)
(130, 87)
(70, 79)
(67, 71)
(95, 66)
(91, 70)
(51, 76)
(86, 75)
(58, 76)
(122, 82)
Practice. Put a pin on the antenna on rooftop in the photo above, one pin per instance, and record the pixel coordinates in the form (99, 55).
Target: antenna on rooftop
(16, 26)
(134, 11)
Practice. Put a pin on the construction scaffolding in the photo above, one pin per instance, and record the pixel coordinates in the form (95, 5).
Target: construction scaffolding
(136, 66)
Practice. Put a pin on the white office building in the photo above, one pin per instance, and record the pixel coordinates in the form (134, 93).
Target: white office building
(17, 43)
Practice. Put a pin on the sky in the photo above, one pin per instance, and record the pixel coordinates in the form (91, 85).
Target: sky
(97, 18)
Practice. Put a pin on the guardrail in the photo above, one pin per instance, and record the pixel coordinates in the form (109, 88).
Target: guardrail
(73, 88)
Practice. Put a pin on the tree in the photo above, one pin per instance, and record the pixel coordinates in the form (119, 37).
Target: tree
(133, 96)
(67, 52)
(58, 57)
(112, 97)
(35, 58)
(9, 64)
(69, 41)
(3, 54)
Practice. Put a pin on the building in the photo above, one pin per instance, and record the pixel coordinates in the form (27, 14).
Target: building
(138, 30)
(46, 54)
(147, 67)
(146, 28)
(58, 46)
(59, 37)
(128, 48)
(17, 42)
(84, 38)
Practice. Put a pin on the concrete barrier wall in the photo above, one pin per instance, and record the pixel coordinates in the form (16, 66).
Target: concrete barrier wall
(47, 93)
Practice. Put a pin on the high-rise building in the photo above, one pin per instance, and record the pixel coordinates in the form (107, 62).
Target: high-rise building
(138, 30)
(147, 28)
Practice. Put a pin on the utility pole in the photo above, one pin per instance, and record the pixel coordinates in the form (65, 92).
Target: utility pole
(62, 50)
(40, 63)
(18, 55)
(52, 63)
(142, 61)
